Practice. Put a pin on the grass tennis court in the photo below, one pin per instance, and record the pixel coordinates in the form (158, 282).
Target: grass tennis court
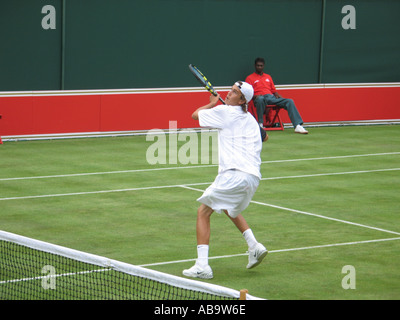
(327, 200)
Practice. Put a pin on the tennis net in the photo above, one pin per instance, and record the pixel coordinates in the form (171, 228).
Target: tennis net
(35, 270)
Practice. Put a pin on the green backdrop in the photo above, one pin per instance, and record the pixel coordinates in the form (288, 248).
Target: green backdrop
(103, 44)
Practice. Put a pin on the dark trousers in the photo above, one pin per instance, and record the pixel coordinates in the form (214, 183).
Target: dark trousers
(261, 101)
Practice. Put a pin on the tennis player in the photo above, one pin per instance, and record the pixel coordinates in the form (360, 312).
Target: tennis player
(239, 148)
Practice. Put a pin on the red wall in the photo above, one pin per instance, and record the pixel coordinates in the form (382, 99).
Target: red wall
(68, 112)
(345, 104)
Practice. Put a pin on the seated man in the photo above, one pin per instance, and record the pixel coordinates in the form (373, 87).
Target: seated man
(265, 94)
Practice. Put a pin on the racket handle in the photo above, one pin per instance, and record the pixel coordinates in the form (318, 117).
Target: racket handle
(220, 99)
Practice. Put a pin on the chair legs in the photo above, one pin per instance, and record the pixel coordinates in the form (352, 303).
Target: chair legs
(272, 119)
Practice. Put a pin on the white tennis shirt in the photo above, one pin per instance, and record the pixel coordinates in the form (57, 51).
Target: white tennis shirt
(239, 138)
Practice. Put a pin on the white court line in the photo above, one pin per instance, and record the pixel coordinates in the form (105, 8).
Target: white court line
(325, 217)
(192, 167)
(106, 172)
(274, 251)
(54, 276)
(186, 185)
(310, 214)
(89, 192)
(331, 174)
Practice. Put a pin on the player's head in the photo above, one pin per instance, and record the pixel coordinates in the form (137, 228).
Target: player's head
(240, 95)
(246, 90)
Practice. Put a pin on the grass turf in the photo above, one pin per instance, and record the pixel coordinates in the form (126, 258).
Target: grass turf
(145, 226)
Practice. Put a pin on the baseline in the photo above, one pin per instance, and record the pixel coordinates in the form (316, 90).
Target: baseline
(184, 185)
(191, 167)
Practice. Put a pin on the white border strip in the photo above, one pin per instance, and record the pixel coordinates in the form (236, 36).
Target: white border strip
(99, 92)
(189, 89)
(108, 134)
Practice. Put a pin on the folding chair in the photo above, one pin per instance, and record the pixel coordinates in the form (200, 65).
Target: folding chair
(272, 120)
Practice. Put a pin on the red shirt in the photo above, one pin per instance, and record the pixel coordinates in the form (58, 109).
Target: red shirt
(262, 84)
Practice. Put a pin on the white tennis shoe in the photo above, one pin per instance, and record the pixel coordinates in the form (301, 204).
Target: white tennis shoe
(256, 255)
(198, 272)
(300, 129)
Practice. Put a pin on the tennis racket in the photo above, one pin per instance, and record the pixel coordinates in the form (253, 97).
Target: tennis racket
(203, 80)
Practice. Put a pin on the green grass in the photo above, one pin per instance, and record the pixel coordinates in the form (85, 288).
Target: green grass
(157, 225)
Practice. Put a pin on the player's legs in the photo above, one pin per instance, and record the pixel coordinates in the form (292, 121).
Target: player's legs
(223, 197)
(203, 224)
(201, 269)
(239, 221)
(257, 251)
(241, 224)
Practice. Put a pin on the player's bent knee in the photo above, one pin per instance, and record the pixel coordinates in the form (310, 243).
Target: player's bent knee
(204, 211)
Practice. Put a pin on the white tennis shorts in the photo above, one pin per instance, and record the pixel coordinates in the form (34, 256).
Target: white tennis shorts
(232, 190)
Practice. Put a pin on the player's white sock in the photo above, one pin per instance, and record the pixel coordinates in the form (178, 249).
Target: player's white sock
(202, 255)
(250, 239)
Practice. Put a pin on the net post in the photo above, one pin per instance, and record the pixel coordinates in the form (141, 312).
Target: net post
(243, 294)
